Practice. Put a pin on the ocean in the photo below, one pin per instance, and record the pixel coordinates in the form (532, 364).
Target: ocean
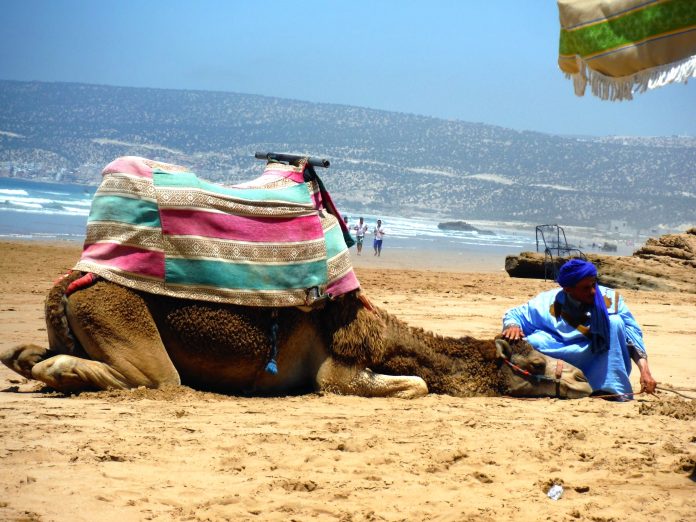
(53, 211)
(34, 210)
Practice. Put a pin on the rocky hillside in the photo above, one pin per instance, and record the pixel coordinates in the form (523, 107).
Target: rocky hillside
(381, 161)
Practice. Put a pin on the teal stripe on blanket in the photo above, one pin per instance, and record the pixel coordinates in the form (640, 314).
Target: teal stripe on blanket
(239, 276)
(298, 194)
(124, 210)
(335, 244)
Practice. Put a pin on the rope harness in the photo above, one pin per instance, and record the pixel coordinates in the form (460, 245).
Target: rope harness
(678, 392)
(642, 392)
(538, 377)
(557, 380)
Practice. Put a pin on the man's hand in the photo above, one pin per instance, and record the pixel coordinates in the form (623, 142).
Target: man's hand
(513, 333)
(647, 383)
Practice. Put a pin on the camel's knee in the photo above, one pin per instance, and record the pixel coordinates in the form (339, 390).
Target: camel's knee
(23, 358)
(338, 378)
(401, 386)
(69, 373)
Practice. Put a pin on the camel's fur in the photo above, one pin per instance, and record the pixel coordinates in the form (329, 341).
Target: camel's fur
(454, 366)
(122, 338)
(356, 333)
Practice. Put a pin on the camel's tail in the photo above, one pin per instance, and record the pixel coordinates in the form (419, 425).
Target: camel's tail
(60, 338)
(24, 357)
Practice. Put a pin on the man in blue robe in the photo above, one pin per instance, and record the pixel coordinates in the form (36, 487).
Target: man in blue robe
(587, 325)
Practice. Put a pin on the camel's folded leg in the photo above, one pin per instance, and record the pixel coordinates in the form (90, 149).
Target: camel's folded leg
(122, 344)
(62, 372)
(70, 373)
(336, 377)
(24, 357)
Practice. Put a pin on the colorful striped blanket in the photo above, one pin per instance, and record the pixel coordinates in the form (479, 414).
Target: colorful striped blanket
(270, 242)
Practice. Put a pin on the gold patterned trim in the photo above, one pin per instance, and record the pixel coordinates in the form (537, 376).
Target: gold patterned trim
(270, 184)
(127, 185)
(276, 298)
(244, 252)
(328, 221)
(272, 298)
(166, 167)
(314, 189)
(338, 266)
(205, 201)
(149, 238)
(272, 165)
(124, 277)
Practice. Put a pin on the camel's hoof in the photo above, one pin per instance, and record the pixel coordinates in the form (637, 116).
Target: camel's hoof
(23, 358)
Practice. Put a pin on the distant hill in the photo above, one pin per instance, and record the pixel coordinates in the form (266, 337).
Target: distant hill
(382, 161)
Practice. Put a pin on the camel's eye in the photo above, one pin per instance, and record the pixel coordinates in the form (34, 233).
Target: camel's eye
(537, 366)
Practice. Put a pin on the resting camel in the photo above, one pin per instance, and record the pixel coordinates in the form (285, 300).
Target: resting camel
(107, 336)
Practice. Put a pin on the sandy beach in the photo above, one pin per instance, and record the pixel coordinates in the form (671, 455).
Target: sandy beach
(183, 455)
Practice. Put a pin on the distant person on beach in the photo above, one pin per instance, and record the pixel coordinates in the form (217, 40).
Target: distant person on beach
(379, 235)
(360, 230)
(586, 325)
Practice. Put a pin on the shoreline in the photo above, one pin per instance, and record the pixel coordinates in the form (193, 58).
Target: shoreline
(397, 254)
(431, 259)
(393, 257)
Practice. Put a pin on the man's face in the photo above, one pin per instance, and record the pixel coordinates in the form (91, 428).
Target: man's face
(584, 291)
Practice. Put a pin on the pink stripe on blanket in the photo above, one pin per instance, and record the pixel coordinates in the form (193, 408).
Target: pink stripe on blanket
(297, 177)
(240, 228)
(275, 169)
(128, 165)
(128, 258)
(345, 284)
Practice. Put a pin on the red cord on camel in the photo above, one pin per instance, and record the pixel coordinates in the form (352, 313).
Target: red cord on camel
(82, 282)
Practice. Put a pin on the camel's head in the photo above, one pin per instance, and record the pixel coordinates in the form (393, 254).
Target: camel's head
(529, 373)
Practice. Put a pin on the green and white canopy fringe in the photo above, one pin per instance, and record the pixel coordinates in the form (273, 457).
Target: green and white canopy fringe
(621, 47)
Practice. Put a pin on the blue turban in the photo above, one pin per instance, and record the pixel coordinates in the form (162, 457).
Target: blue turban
(570, 274)
(574, 271)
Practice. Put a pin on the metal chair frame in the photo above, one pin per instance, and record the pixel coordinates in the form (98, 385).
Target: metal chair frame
(557, 244)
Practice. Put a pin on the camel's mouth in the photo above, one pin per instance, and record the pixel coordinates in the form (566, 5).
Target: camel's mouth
(557, 379)
(578, 390)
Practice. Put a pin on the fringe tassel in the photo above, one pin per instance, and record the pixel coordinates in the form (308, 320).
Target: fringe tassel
(623, 88)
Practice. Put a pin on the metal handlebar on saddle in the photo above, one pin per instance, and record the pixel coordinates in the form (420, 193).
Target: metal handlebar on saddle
(289, 158)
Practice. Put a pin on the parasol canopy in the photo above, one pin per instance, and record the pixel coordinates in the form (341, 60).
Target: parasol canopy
(621, 47)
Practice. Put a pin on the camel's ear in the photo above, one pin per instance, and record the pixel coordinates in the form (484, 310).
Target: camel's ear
(502, 349)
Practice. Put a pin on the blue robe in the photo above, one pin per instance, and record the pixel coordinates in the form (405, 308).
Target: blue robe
(549, 325)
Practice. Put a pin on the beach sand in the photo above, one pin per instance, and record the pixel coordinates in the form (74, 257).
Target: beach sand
(177, 454)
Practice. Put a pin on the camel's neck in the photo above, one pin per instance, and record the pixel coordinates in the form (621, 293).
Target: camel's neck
(455, 366)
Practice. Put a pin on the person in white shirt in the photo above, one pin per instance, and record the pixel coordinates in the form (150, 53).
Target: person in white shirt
(379, 234)
(360, 230)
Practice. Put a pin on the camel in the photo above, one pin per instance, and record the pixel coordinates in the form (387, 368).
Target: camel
(108, 336)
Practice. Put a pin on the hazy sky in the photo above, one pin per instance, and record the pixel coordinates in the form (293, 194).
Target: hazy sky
(491, 61)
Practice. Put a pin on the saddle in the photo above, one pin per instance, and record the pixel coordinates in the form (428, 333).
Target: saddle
(275, 241)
